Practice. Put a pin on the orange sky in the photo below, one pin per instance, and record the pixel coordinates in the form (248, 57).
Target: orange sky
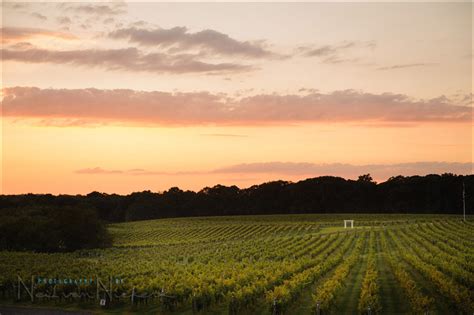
(102, 97)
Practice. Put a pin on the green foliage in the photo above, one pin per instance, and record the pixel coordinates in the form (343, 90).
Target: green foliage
(369, 295)
(460, 296)
(56, 229)
(419, 302)
(326, 293)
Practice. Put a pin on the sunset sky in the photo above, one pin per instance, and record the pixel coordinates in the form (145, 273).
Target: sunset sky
(122, 97)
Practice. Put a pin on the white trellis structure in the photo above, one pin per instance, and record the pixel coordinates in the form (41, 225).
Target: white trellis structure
(351, 222)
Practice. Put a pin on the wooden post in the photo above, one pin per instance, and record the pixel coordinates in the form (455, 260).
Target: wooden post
(32, 288)
(194, 303)
(111, 295)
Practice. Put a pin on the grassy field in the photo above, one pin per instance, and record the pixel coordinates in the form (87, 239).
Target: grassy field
(284, 264)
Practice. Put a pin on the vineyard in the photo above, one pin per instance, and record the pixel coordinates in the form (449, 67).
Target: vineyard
(284, 264)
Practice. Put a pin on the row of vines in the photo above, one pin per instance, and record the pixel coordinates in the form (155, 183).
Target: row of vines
(267, 267)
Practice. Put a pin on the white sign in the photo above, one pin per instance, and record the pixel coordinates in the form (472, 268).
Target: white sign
(348, 221)
(102, 302)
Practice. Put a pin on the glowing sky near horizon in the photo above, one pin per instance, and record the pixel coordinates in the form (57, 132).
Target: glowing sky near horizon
(123, 97)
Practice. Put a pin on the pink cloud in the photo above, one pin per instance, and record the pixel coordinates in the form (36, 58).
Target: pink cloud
(348, 170)
(305, 169)
(121, 106)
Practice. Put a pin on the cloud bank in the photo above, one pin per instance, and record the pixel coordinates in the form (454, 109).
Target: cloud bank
(378, 171)
(200, 108)
(349, 170)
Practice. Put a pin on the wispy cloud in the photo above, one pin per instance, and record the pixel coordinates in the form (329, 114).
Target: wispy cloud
(131, 172)
(125, 59)
(94, 9)
(97, 170)
(180, 38)
(39, 16)
(12, 34)
(15, 5)
(64, 20)
(408, 65)
(201, 108)
(224, 135)
(337, 53)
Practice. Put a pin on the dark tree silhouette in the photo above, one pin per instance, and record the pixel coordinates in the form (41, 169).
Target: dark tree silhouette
(366, 178)
(436, 194)
(51, 229)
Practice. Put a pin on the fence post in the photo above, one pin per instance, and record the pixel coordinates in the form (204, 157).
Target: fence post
(32, 288)
(369, 310)
(318, 308)
(133, 295)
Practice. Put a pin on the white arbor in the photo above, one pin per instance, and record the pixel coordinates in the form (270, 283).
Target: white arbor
(349, 221)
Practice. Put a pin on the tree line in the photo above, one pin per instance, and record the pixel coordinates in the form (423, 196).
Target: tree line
(434, 194)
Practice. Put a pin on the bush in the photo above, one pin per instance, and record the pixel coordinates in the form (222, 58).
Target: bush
(52, 229)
